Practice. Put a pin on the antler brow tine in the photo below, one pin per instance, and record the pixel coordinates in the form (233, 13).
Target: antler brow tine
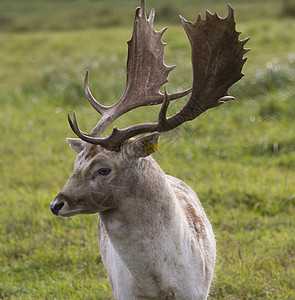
(97, 106)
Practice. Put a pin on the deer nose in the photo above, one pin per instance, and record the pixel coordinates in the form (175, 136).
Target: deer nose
(55, 208)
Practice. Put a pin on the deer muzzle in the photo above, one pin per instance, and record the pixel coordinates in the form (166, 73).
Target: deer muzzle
(58, 203)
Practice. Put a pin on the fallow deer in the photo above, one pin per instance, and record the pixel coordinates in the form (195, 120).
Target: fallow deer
(155, 239)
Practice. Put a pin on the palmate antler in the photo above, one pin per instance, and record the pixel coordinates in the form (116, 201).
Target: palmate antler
(217, 59)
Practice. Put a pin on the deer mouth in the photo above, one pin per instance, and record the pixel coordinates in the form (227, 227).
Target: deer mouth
(70, 213)
(60, 209)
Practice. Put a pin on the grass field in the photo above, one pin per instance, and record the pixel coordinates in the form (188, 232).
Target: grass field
(239, 158)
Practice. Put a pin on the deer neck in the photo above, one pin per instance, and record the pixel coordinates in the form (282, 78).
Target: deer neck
(147, 218)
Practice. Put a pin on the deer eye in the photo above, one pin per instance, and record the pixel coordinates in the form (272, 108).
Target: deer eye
(101, 172)
(104, 171)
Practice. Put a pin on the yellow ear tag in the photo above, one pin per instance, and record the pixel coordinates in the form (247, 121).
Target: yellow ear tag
(150, 148)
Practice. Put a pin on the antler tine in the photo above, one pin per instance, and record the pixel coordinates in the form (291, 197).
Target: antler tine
(97, 106)
(162, 119)
(74, 126)
(151, 16)
(222, 100)
(142, 8)
(230, 13)
(82, 135)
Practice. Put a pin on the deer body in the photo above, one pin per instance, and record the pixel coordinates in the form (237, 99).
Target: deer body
(155, 239)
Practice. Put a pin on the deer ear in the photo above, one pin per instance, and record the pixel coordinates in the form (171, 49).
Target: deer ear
(143, 146)
(76, 144)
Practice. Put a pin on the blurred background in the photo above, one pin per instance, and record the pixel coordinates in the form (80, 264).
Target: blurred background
(239, 158)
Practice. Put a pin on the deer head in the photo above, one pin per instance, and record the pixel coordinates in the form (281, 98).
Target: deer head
(217, 61)
(102, 176)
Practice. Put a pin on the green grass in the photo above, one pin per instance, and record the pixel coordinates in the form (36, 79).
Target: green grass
(32, 15)
(239, 158)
